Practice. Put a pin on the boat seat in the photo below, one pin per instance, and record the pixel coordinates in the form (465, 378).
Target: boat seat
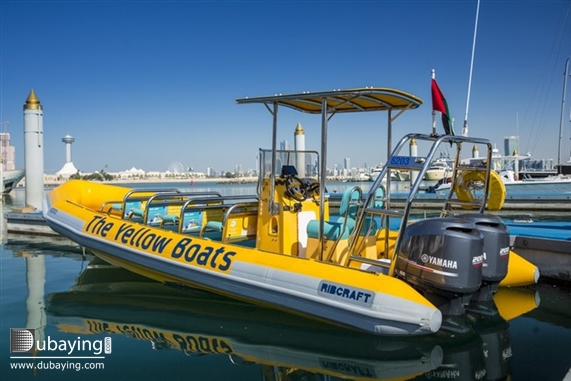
(237, 225)
(331, 230)
(113, 206)
(343, 226)
(337, 231)
(340, 229)
(169, 222)
(135, 214)
(212, 230)
(169, 218)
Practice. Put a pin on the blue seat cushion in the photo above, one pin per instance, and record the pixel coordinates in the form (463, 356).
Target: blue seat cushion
(331, 230)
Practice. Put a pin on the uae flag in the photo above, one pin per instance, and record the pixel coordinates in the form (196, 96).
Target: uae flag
(439, 104)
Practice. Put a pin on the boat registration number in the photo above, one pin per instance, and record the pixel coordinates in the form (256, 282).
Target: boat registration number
(407, 161)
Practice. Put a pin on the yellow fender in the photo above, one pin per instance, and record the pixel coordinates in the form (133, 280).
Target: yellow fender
(497, 190)
(521, 272)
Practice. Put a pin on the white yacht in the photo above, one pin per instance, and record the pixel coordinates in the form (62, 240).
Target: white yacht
(438, 169)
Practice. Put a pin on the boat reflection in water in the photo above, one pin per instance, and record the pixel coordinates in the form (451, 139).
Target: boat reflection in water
(110, 300)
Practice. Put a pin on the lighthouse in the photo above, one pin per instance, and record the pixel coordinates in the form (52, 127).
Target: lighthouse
(34, 150)
(413, 151)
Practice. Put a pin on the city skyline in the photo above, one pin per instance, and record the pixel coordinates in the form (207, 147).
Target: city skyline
(510, 145)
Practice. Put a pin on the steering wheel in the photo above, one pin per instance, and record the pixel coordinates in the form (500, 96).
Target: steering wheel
(295, 188)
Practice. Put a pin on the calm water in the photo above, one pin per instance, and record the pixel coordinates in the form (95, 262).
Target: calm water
(78, 304)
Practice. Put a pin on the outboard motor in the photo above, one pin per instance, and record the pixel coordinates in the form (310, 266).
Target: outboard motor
(496, 253)
(442, 258)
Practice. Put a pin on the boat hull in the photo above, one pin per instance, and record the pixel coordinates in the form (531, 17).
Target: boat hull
(536, 187)
(540, 186)
(434, 175)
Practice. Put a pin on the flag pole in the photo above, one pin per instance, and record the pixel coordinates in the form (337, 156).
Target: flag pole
(433, 75)
(465, 127)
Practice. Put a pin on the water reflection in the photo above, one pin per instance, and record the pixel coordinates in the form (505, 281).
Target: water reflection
(112, 301)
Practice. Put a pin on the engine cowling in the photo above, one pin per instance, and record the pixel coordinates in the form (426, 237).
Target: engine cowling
(496, 245)
(442, 255)
(496, 253)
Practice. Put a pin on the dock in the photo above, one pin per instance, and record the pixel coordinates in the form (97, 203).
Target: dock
(551, 256)
(513, 205)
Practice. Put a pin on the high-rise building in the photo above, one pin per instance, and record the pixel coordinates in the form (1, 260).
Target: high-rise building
(511, 145)
(347, 163)
(7, 152)
(299, 145)
(284, 146)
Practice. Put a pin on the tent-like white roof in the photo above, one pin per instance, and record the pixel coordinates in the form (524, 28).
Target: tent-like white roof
(67, 169)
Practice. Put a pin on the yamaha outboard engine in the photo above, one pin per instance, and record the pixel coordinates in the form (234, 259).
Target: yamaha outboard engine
(442, 258)
(496, 253)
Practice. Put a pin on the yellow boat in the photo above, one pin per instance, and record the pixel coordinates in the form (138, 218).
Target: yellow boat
(283, 249)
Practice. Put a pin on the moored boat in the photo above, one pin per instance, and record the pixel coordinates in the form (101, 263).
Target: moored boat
(281, 248)
(550, 185)
(438, 170)
(402, 175)
(555, 184)
(11, 178)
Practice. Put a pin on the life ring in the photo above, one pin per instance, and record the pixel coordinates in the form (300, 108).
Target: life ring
(497, 190)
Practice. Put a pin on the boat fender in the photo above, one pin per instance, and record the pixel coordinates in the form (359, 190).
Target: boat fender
(497, 191)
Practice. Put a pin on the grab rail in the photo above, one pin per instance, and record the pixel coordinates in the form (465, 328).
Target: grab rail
(174, 198)
(205, 203)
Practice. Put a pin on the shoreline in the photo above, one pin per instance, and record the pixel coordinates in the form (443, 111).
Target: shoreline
(218, 180)
(50, 182)
(242, 180)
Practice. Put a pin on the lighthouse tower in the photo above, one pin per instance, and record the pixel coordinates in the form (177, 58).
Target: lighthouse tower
(34, 151)
(68, 139)
(68, 168)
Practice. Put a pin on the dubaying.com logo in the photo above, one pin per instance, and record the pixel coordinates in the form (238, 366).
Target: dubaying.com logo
(23, 340)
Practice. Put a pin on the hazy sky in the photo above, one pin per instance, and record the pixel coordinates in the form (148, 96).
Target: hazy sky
(146, 83)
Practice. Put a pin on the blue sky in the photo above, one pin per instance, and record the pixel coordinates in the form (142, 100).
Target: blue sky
(146, 83)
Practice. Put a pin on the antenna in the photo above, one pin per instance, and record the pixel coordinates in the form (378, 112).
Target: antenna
(465, 127)
(433, 76)
(565, 75)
